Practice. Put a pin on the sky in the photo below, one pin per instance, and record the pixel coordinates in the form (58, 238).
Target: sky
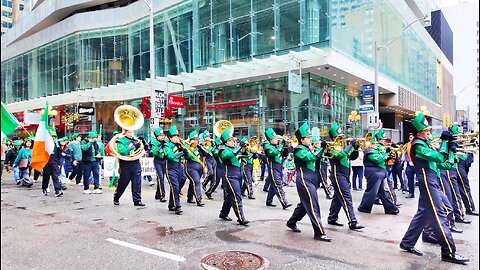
(462, 19)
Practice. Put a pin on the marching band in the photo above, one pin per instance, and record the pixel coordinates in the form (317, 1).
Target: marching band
(439, 163)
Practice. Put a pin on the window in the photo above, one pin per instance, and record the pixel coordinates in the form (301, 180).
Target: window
(193, 100)
(193, 118)
(21, 7)
(208, 118)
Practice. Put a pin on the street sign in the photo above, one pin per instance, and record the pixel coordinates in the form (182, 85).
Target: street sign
(368, 98)
(294, 83)
(158, 102)
(373, 119)
(465, 126)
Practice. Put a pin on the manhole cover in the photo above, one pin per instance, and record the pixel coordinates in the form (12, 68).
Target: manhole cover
(234, 260)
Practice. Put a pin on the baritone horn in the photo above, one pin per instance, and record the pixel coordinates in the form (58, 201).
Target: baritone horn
(128, 118)
(221, 126)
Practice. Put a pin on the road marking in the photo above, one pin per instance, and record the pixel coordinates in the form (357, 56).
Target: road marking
(148, 250)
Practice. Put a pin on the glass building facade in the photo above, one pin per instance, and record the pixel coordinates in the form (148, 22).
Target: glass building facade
(197, 34)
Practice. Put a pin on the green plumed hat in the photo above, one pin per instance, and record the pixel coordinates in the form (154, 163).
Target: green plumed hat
(314, 139)
(17, 143)
(244, 139)
(380, 134)
(454, 129)
(74, 136)
(193, 135)
(225, 135)
(335, 130)
(158, 131)
(115, 132)
(420, 123)
(63, 139)
(92, 134)
(303, 131)
(270, 134)
(203, 135)
(172, 131)
(218, 141)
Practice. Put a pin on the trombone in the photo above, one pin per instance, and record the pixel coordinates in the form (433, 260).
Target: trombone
(189, 147)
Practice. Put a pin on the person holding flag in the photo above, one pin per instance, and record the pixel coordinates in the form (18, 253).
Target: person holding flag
(46, 155)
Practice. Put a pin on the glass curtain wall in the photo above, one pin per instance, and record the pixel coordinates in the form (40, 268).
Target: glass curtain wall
(357, 24)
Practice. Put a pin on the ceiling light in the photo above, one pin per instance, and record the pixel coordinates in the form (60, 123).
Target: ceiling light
(341, 77)
(318, 68)
(381, 93)
(355, 82)
(334, 75)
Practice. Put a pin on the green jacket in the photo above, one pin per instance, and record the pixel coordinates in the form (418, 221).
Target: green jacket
(303, 153)
(431, 156)
(273, 152)
(125, 146)
(376, 156)
(157, 148)
(76, 151)
(342, 157)
(228, 154)
(172, 152)
(24, 153)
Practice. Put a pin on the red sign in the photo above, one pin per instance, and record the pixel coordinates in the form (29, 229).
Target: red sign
(169, 112)
(326, 99)
(175, 101)
(224, 105)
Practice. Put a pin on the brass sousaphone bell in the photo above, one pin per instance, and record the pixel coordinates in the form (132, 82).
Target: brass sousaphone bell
(221, 126)
(128, 118)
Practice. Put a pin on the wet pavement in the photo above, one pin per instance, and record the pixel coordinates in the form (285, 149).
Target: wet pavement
(71, 232)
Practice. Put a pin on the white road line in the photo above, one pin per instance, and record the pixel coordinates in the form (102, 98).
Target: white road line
(148, 250)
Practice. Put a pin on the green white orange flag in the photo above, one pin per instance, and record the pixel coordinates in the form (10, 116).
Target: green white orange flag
(9, 123)
(44, 144)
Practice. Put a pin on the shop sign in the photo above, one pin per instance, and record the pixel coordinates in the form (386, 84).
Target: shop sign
(294, 83)
(326, 96)
(158, 102)
(86, 110)
(368, 99)
(176, 101)
(31, 117)
(224, 105)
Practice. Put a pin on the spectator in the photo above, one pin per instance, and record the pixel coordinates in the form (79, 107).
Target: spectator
(357, 170)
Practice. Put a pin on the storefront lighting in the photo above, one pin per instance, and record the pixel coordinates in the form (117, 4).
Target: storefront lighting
(334, 75)
(318, 68)
(272, 37)
(355, 82)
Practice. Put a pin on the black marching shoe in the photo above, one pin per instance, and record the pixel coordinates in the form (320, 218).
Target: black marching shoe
(243, 222)
(356, 226)
(190, 201)
(200, 204)
(224, 217)
(271, 205)
(335, 223)
(58, 194)
(455, 229)
(329, 197)
(412, 250)
(394, 212)
(472, 213)
(139, 203)
(163, 200)
(429, 239)
(209, 195)
(44, 191)
(171, 209)
(462, 220)
(294, 228)
(178, 211)
(287, 206)
(454, 258)
(251, 197)
(322, 237)
(410, 196)
(364, 210)
(116, 202)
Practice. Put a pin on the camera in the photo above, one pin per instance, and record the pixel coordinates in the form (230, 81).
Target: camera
(327, 67)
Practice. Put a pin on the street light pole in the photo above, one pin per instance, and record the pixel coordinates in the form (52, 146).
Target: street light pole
(152, 56)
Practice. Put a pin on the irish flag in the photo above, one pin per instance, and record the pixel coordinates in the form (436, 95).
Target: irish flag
(9, 123)
(43, 145)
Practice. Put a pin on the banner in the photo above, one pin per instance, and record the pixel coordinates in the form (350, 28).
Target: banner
(148, 168)
(86, 110)
(368, 98)
(158, 102)
(294, 83)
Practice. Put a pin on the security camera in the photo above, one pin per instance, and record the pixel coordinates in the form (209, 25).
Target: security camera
(327, 67)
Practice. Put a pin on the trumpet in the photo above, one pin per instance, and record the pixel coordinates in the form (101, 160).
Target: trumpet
(365, 142)
(334, 147)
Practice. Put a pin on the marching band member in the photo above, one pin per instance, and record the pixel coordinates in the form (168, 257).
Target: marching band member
(342, 198)
(159, 162)
(273, 152)
(218, 169)
(430, 205)
(231, 179)
(464, 183)
(307, 184)
(321, 166)
(173, 168)
(208, 147)
(375, 173)
(247, 168)
(194, 169)
(130, 170)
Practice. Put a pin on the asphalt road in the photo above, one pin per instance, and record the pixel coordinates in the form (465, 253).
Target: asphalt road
(79, 231)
